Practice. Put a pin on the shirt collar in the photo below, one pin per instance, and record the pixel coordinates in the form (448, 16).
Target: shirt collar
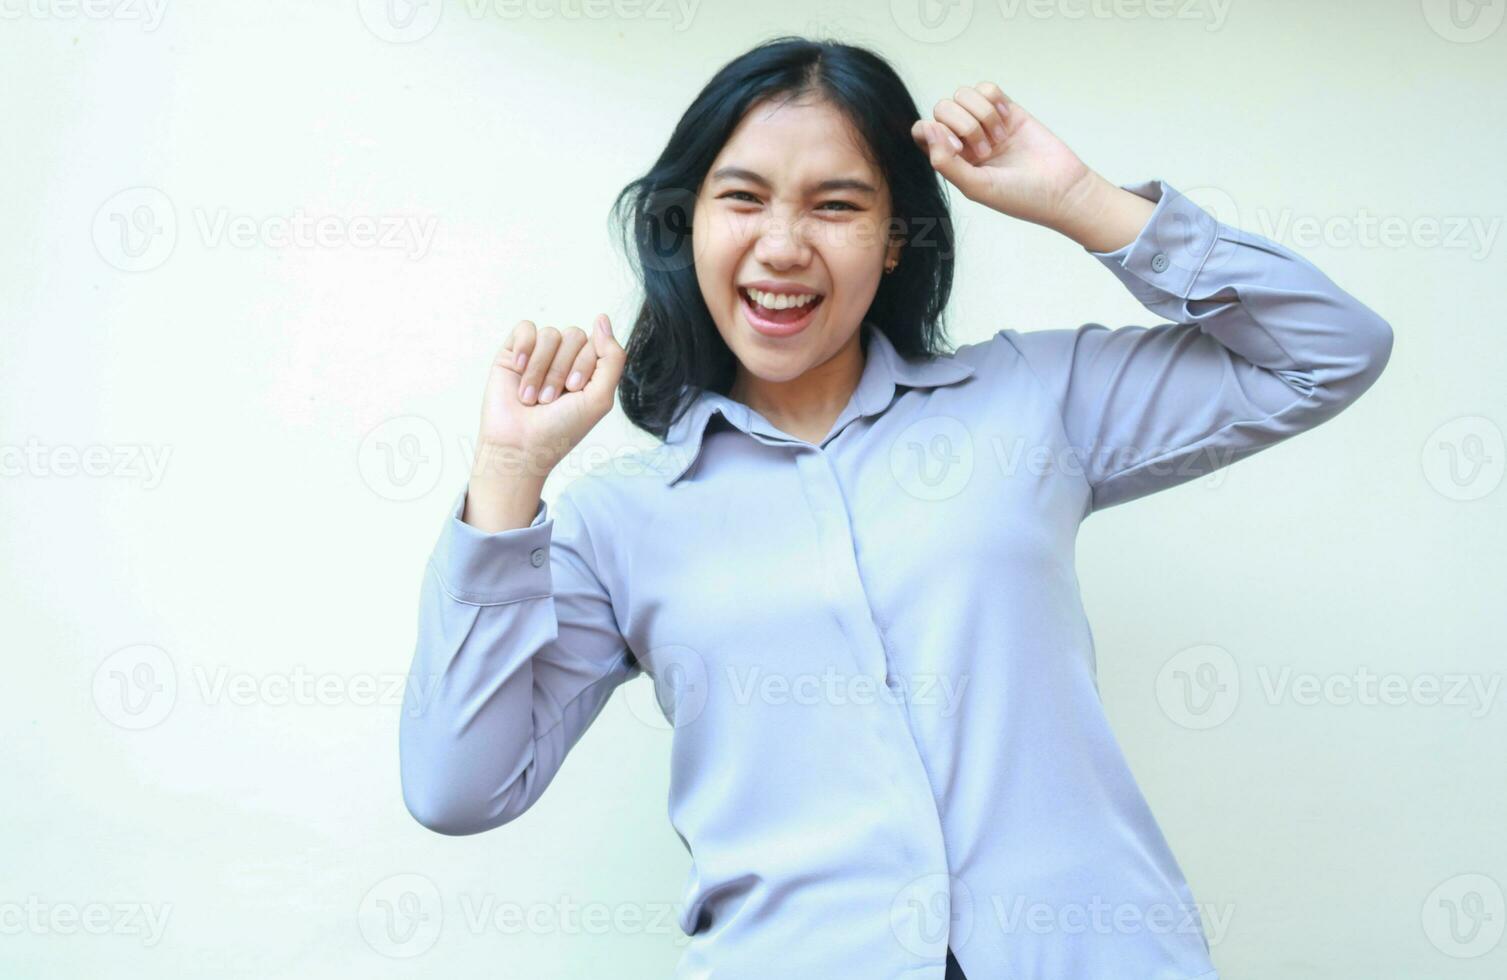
(883, 370)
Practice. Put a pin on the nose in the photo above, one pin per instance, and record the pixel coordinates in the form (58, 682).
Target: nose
(782, 242)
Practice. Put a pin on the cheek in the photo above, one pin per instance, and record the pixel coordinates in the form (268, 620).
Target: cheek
(857, 236)
(850, 247)
(853, 268)
(855, 289)
(712, 268)
(717, 248)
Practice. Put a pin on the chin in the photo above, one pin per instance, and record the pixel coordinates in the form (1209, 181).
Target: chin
(772, 365)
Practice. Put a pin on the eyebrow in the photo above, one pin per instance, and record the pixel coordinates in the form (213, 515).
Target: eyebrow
(832, 184)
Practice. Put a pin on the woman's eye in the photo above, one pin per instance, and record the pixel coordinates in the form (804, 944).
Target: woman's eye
(746, 197)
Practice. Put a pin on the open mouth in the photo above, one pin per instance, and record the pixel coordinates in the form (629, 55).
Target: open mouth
(778, 319)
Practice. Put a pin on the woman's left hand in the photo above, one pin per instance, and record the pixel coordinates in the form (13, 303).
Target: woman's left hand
(1009, 161)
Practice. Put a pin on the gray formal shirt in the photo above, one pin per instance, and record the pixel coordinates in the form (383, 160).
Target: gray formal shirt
(871, 651)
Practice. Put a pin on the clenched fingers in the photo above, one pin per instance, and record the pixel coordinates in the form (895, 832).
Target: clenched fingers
(573, 341)
(546, 343)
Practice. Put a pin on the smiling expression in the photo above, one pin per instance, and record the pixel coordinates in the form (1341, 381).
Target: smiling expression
(791, 212)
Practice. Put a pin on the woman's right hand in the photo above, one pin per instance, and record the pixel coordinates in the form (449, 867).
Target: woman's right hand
(545, 391)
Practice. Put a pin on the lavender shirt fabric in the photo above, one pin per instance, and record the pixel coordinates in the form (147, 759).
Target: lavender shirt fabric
(887, 735)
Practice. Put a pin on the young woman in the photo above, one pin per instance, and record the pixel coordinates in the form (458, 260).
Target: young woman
(849, 566)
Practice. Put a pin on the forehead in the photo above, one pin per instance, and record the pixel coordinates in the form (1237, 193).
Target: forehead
(797, 141)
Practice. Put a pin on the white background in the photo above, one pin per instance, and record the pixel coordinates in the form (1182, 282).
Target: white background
(251, 594)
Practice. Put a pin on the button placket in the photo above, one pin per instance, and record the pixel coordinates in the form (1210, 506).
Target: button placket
(845, 586)
(839, 575)
(839, 569)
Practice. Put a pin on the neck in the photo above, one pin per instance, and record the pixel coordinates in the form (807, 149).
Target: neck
(806, 406)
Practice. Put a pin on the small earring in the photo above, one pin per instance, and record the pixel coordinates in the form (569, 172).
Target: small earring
(890, 267)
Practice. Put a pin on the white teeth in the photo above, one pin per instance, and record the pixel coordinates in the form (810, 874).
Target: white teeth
(779, 301)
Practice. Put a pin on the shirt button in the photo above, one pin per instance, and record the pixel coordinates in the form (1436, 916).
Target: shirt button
(536, 557)
(1159, 262)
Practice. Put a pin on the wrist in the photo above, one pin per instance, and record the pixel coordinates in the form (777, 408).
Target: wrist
(1102, 217)
(493, 505)
(1081, 206)
(506, 465)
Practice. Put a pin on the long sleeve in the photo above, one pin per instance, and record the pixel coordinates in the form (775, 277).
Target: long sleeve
(1260, 346)
(518, 649)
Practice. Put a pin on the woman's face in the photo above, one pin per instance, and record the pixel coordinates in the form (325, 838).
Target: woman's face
(790, 206)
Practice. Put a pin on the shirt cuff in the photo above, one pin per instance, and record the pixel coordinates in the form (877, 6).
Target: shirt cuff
(489, 569)
(1171, 248)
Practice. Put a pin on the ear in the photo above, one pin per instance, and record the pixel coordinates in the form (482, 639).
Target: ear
(892, 254)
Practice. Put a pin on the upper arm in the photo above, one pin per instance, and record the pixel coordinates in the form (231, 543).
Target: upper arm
(1257, 346)
(1147, 408)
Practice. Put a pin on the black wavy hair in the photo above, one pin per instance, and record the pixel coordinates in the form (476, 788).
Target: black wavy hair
(674, 343)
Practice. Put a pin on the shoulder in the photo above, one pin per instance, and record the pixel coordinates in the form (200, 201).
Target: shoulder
(1009, 350)
(1013, 367)
(1037, 345)
(1046, 354)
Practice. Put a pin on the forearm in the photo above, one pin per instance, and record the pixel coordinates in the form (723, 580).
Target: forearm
(467, 733)
(504, 490)
(1102, 217)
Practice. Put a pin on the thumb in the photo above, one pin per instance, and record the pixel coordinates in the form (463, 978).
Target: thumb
(610, 361)
(949, 162)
